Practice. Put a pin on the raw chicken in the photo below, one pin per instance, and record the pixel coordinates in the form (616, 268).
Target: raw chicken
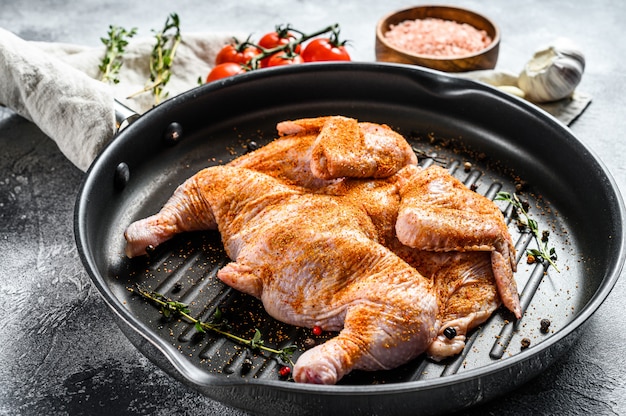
(466, 293)
(312, 260)
(438, 213)
(323, 233)
(332, 147)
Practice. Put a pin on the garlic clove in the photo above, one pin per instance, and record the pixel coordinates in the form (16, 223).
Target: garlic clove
(553, 73)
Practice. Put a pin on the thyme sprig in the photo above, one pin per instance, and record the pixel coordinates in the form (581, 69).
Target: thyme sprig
(217, 323)
(544, 252)
(115, 43)
(162, 58)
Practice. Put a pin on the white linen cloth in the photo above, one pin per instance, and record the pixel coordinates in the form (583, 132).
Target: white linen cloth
(57, 87)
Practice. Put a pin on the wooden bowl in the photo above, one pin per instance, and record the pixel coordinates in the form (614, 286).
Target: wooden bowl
(484, 59)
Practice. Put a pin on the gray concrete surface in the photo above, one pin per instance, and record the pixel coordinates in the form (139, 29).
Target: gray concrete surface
(60, 350)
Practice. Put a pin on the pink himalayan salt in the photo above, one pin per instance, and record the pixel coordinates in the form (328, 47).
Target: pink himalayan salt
(437, 37)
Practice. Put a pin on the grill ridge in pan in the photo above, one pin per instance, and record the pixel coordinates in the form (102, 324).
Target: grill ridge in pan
(449, 121)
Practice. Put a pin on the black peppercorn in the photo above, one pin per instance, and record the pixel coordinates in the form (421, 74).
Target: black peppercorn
(544, 325)
(525, 343)
(449, 332)
(252, 146)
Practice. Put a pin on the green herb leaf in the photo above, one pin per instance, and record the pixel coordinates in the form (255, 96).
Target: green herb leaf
(256, 340)
(287, 352)
(162, 58)
(544, 253)
(169, 307)
(199, 327)
(115, 43)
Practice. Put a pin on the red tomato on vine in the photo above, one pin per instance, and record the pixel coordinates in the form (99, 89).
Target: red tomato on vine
(237, 53)
(325, 49)
(279, 37)
(224, 70)
(282, 58)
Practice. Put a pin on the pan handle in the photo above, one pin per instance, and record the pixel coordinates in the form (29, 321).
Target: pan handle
(124, 116)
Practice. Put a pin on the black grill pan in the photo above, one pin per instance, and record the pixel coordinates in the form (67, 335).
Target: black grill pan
(489, 140)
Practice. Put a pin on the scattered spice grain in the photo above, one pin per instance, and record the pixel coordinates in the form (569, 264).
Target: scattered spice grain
(309, 343)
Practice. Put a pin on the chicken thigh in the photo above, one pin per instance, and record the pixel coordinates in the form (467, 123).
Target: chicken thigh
(466, 293)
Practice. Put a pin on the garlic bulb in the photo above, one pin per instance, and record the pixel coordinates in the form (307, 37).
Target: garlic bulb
(553, 73)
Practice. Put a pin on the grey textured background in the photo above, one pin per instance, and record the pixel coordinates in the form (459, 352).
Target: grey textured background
(60, 351)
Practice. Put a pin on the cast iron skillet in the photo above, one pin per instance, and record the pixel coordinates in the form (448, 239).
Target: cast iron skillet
(490, 140)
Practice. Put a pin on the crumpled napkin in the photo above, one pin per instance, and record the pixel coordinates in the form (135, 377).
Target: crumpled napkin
(57, 86)
(565, 110)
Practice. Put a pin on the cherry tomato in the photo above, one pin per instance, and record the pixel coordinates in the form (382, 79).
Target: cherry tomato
(323, 49)
(224, 70)
(236, 53)
(284, 371)
(282, 58)
(274, 39)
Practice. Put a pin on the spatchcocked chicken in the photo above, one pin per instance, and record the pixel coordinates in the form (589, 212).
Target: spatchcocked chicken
(334, 225)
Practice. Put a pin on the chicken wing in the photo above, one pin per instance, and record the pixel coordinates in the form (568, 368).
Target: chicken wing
(438, 213)
(327, 148)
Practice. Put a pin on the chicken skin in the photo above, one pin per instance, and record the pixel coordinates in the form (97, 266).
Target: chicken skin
(439, 213)
(334, 225)
(316, 151)
(312, 261)
(466, 292)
